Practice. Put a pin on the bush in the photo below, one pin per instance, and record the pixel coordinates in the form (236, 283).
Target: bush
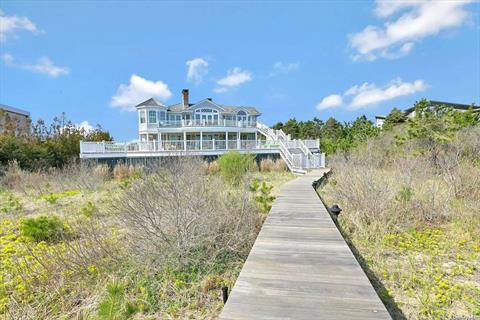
(102, 171)
(267, 165)
(124, 172)
(9, 203)
(234, 166)
(43, 228)
(262, 194)
(212, 167)
(280, 165)
(181, 214)
(53, 197)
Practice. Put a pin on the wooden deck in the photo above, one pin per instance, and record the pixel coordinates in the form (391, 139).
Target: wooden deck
(300, 266)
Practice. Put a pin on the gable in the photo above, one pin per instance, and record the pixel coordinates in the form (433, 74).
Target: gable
(205, 104)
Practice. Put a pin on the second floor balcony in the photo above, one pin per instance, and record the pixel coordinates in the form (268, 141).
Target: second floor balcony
(198, 123)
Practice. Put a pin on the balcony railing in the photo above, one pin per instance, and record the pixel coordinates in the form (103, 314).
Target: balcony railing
(174, 145)
(198, 123)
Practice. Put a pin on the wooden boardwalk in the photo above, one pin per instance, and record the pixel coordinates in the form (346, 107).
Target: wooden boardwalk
(300, 266)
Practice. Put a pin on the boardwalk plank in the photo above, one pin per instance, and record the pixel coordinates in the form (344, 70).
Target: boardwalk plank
(300, 266)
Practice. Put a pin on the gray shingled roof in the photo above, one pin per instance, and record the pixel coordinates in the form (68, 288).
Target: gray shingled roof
(233, 109)
(151, 102)
(14, 110)
(178, 107)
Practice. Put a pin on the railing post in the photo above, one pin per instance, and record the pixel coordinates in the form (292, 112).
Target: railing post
(103, 146)
(213, 144)
(81, 146)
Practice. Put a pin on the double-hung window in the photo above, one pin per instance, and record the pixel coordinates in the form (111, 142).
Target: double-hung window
(161, 115)
(152, 116)
(142, 117)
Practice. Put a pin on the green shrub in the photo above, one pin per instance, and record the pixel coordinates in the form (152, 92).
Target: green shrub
(114, 306)
(263, 196)
(43, 228)
(88, 209)
(234, 166)
(53, 197)
(9, 203)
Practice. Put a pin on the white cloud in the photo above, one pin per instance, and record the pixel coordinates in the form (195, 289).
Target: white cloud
(331, 101)
(44, 65)
(197, 69)
(138, 90)
(9, 25)
(283, 68)
(419, 19)
(7, 58)
(85, 126)
(367, 94)
(234, 78)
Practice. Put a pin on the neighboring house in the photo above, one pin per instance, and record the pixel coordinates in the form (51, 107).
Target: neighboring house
(14, 120)
(205, 128)
(379, 121)
(410, 112)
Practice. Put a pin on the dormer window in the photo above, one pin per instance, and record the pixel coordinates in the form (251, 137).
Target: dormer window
(142, 117)
(152, 116)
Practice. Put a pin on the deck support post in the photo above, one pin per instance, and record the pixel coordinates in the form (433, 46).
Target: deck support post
(238, 140)
(201, 140)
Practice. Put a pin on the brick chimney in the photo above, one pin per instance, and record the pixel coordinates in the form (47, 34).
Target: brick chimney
(185, 102)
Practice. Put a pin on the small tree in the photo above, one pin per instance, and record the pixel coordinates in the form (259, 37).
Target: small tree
(393, 118)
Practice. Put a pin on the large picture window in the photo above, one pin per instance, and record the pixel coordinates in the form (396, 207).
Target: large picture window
(152, 116)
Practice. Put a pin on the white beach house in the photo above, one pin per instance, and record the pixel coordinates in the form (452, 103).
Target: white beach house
(205, 128)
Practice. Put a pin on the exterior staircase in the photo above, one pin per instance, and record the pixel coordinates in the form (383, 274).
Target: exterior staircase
(298, 157)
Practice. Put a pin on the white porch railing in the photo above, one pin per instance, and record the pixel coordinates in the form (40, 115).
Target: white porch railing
(174, 145)
(296, 153)
(197, 123)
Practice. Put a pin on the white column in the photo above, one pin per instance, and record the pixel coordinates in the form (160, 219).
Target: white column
(256, 141)
(201, 140)
(226, 140)
(184, 141)
(238, 140)
(213, 144)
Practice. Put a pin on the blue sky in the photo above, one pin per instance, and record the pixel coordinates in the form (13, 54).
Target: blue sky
(95, 60)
